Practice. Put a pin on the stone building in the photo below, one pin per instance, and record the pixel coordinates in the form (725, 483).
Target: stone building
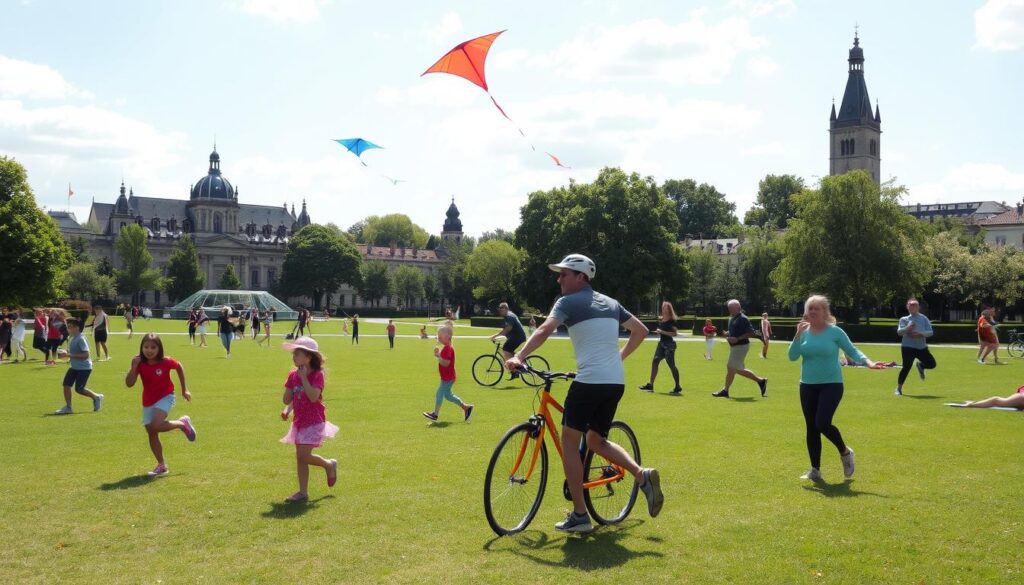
(855, 133)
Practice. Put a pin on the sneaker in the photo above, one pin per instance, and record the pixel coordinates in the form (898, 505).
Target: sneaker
(188, 429)
(296, 498)
(813, 475)
(648, 387)
(97, 403)
(652, 490)
(847, 463)
(575, 523)
(920, 369)
(430, 416)
(160, 469)
(982, 362)
(763, 384)
(332, 473)
(723, 393)
(676, 391)
(897, 392)
(64, 410)
(468, 411)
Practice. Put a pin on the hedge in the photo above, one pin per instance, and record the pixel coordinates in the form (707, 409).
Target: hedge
(944, 332)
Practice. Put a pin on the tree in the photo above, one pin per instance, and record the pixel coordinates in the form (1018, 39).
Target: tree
(82, 281)
(228, 279)
(432, 242)
(408, 284)
(318, 261)
(456, 286)
(32, 252)
(774, 204)
(702, 211)
(996, 275)
(495, 267)
(623, 222)
(431, 288)
(759, 255)
(137, 273)
(356, 230)
(498, 234)
(375, 281)
(396, 227)
(183, 274)
(951, 279)
(851, 240)
(104, 267)
(704, 269)
(79, 249)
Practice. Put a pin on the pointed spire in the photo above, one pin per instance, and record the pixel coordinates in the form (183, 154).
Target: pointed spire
(832, 118)
(878, 115)
(122, 186)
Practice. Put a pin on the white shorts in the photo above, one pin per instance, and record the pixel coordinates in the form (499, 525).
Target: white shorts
(164, 405)
(202, 329)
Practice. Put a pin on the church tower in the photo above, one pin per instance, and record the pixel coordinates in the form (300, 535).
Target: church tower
(452, 229)
(855, 134)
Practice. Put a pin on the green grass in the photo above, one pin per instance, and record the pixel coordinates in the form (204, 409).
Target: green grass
(935, 500)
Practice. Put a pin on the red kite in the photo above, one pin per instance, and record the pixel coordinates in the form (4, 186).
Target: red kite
(467, 60)
(557, 162)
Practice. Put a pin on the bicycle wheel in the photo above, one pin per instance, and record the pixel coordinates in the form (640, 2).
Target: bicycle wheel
(510, 499)
(1015, 349)
(611, 503)
(538, 363)
(488, 370)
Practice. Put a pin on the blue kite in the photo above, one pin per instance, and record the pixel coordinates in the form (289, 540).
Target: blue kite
(357, 146)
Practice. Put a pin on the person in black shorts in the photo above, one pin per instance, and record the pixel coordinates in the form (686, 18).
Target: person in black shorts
(99, 332)
(512, 329)
(666, 349)
(593, 320)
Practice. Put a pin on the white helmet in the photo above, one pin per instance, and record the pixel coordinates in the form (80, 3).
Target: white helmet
(577, 262)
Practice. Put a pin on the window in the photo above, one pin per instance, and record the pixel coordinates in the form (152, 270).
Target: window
(186, 226)
(154, 224)
(1000, 240)
(853, 146)
(282, 231)
(268, 231)
(874, 148)
(255, 278)
(271, 276)
(218, 223)
(172, 225)
(156, 297)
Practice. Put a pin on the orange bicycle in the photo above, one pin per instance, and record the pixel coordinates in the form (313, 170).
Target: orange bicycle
(518, 471)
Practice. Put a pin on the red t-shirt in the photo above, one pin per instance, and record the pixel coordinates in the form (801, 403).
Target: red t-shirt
(156, 380)
(447, 372)
(710, 329)
(391, 328)
(985, 330)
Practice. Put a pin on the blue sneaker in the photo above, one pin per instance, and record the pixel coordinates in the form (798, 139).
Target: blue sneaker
(575, 523)
(97, 403)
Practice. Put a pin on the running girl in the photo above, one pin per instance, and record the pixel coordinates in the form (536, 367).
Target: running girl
(303, 391)
(201, 320)
(129, 317)
(666, 349)
(709, 337)
(226, 328)
(158, 395)
(99, 332)
(18, 337)
(766, 333)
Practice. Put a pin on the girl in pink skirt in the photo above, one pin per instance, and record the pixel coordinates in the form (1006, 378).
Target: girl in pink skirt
(303, 390)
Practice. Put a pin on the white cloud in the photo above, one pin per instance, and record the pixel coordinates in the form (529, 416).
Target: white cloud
(762, 67)
(971, 181)
(759, 8)
(22, 79)
(449, 25)
(768, 148)
(692, 51)
(999, 25)
(432, 90)
(281, 10)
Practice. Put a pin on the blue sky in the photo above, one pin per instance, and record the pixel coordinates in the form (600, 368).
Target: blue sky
(722, 92)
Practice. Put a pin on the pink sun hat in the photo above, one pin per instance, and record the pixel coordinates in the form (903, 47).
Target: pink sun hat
(304, 343)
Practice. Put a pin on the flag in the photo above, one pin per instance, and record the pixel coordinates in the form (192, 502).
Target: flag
(70, 192)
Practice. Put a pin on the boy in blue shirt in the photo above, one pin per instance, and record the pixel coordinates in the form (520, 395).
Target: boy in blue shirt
(81, 367)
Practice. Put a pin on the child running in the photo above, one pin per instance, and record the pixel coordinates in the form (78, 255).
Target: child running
(81, 368)
(709, 338)
(303, 391)
(446, 368)
(158, 395)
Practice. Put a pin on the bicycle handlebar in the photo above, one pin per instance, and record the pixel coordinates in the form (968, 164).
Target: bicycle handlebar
(548, 376)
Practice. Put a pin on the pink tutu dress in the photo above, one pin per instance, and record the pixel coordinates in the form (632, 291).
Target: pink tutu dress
(310, 425)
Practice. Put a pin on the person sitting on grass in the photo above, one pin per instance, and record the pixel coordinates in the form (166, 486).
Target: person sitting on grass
(445, 355)
(423, 332)
(1015, 400)
(81, 368)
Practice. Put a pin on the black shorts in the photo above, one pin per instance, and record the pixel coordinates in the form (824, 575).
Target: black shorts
(591, 407)
(665, 350)
(53, 344)
(100, 335)
(77, 378)
(511, 344)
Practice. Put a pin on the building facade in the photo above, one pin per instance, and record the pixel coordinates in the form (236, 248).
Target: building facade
(855, 132)
(1006, 228)
(969, 212)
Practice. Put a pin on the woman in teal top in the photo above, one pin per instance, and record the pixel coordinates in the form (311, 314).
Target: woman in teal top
(818, 342)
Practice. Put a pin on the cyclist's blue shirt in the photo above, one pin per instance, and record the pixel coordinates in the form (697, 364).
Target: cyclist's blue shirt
(515, 332)
(593, 320)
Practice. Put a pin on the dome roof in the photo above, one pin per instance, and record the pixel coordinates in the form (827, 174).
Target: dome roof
(453, 223)
(213, 185)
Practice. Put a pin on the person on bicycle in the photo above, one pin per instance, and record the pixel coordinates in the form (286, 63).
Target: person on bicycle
(593, 320)
(513, 332)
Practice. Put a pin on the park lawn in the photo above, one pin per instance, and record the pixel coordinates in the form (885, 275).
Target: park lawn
(934, 499)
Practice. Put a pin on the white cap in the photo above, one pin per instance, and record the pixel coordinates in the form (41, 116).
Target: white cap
(577, 262)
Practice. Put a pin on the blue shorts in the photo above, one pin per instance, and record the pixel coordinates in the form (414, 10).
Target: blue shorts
(77, 378)
(164, 405)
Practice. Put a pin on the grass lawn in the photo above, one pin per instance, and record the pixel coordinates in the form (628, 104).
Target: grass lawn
(935, 499)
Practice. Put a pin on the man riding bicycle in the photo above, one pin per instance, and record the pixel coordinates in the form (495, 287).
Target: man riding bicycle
(513, 331)
(593, 320)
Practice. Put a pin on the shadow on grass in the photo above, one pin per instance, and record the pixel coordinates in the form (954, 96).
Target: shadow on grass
(285, 510)
(922, 396)
(439, 424)
(132, 481)
(842, 489)
(743, 399)
(597, 550)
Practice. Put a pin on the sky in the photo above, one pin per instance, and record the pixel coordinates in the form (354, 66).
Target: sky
(720, 92)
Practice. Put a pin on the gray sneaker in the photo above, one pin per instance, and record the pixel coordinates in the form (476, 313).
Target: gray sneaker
(97, 403)
(813, 475)
(847, 463)
(64, 410)
(575, 523)
(652, 491)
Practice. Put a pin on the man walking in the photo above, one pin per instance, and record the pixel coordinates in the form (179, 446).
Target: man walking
(739, 333)
(915, 329)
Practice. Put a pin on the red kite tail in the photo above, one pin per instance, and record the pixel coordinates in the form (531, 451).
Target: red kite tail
(495, 102)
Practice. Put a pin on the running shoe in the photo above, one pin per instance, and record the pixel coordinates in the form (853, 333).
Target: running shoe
(188, 429)
(160, 469)
(763, 384)
(920, 369)
(648, 387)
(296, 497)
(332, 474)
(723, 393)
(652, 491)
(813, 475)
(429, 416)
(847, 463)
(575, 523)
(676, 391)
(97, 403)
(468, 412)
(897, 392)
(64, 410)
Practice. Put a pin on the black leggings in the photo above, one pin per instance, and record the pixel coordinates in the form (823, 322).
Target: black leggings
(819, 403)
(355, 334)
(667, 353)
(909, 355)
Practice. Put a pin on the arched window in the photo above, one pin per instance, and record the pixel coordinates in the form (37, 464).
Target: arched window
(853, 146)
(154, 224)
(218, 226)
(842, 148)
(186, 225)
(873, 148)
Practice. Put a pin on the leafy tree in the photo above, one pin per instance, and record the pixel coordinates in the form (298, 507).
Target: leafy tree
(396, 227)
(997, 276)
(456, 286)
(851, 240)
(228, 279)
(408, 284)
(431, 288)
(704, 269)
(951, 279)
(137, 273)
(432, 242)
(183, 274)
(356, 231)
(104, 267)
(623, 222)
(759, 255)
(701, 209)
(774, 204)
(498, 234)
(79, 249)
(82, 281)
(728, 281)
(495, 267)
(375, 282)
(33, 253)
(318, 261)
